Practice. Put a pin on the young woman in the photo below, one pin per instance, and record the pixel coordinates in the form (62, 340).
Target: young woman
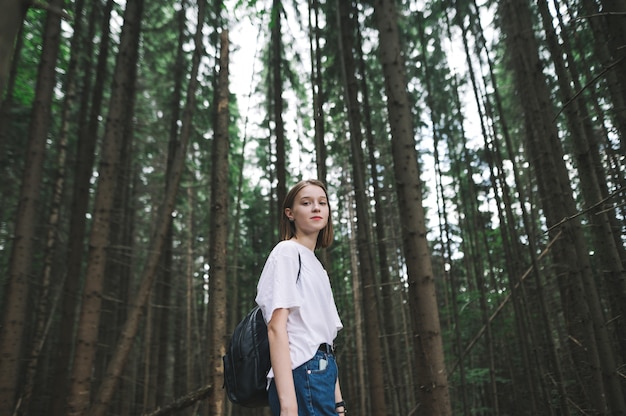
(295, 297)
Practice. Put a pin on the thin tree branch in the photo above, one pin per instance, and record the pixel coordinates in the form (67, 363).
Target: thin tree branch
(569, 400)
(42, 5)
(591, 208)
(183, 402)
(589, 16)
(591, 82)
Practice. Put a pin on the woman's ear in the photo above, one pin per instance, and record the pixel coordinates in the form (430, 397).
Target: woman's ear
(288, 214)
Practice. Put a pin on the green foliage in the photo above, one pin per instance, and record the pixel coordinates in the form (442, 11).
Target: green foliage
(468, 236)
(257, 235)
(28, 59)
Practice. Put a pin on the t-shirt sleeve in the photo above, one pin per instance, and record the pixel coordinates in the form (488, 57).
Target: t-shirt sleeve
(333, 307)
(278, 285)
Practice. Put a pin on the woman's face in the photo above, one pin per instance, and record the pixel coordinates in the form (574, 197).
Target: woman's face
(310, 210)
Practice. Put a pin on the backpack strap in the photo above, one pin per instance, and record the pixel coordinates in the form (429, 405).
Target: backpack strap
(299, 267)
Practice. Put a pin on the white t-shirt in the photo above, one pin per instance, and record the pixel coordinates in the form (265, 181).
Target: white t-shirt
(313, 317)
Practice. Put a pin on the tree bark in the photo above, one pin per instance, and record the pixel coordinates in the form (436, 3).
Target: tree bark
(89, 318)
(547, 342)
(162, 223)
(183, 292)
(359, 382)
(46, 306)
(219, 232)
(389, 285)
(82, 172)
(509, 243)
(608, 52)
(608, 252)
(318, 91)
(367, 271)
(20, 264)
(277, 97)
(613, 22)
(119, 260)
(187, 348)
(13, 12)
(584, 316)
(434, 396)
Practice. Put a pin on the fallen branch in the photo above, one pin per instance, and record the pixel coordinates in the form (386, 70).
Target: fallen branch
(183, 402)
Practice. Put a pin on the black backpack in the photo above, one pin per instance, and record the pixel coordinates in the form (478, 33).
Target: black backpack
(247, 361)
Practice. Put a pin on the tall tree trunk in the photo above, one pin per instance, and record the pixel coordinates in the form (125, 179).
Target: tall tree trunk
(581, 134)
(511, 252)
(155, 391)
(579, 292)
(445, 227)
(447, 252)
(147, 394)
(89, 318)
(613, 21)
(547, 343)
(598, 130)
(164, 380)
(163, 361)
(365, 251)
(277, 98)
(475, 225)
(234, 281)
(182, 367)
(119, 258)
(433, 383)
(608, 51)
(46, 307)
(389, 286)
(162, 224)
(6, 103)
(187, 348)
(317, 86)
(83, 170)
(219, 232)
(11, 18)
(18, 286)
(318, 90)
(360, 383)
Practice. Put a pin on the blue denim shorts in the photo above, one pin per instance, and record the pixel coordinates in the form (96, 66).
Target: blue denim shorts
(315, 387)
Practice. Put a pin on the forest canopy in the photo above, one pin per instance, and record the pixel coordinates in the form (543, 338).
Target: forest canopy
(475, 160)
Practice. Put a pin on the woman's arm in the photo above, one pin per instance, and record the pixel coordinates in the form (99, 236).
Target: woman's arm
(281, 362)
(339, 399)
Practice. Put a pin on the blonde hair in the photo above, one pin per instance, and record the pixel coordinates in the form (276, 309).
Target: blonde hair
(288, 228)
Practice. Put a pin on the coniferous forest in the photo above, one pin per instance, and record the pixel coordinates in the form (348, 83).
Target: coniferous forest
(475, 158)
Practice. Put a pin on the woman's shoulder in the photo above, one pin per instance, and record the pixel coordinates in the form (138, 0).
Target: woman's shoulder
(286, 247)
